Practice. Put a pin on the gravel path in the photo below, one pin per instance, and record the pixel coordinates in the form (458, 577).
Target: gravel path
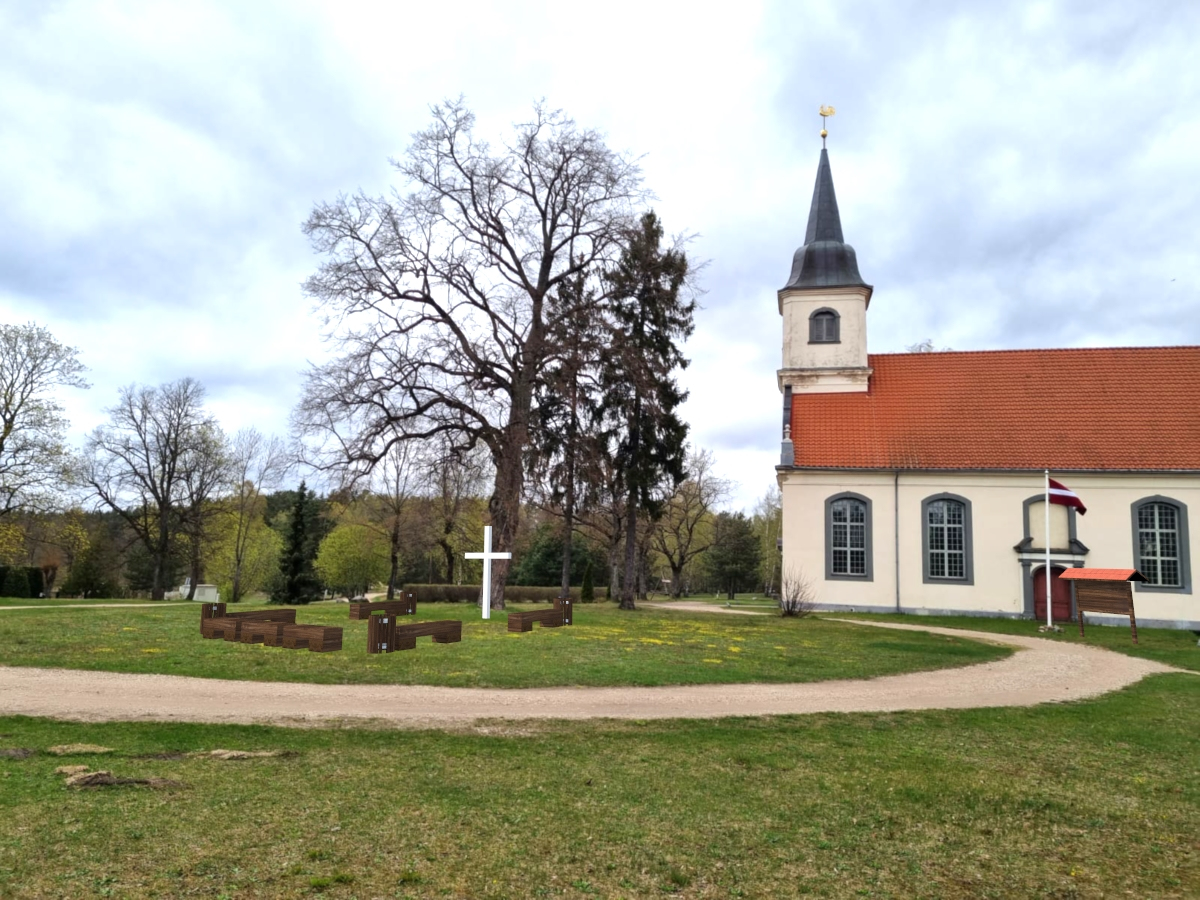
(1042, 671)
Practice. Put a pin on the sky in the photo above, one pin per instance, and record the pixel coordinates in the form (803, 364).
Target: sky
(1011, 175)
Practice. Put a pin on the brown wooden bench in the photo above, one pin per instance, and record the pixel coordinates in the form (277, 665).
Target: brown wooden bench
(1104, 591)
(404, 605)
(317, 638)
(560, 614)
(386, 635)
(254, 631)
(212, 611)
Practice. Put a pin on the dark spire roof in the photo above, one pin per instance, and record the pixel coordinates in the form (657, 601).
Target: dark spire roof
(825, 260)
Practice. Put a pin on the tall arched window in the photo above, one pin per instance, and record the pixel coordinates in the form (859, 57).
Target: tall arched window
(823, 327)
(1160, 544)
(848, 537)
(946, 539)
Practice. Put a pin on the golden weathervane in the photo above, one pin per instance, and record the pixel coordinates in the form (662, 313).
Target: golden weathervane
(825, 112)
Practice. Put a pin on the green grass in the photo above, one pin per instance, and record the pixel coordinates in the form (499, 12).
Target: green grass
(1171, 646)
(605, 647)
(1083, 800)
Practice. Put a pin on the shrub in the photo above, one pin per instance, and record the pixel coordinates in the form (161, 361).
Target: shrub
(469, 593)
(797, 595)
(16, 582)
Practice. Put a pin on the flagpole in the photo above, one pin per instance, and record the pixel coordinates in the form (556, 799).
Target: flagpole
(1046, 580)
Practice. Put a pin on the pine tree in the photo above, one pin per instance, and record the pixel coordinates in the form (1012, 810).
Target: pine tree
(641, 395)
(299, 583)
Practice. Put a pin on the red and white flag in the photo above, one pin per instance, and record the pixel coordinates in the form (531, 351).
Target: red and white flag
(1064, 496)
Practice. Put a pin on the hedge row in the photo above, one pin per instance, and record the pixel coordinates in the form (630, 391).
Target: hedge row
(21, 581)
(469, 593)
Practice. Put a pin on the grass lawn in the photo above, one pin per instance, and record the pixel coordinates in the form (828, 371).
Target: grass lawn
(605, 646)
(1165, 645)
(1083, 800)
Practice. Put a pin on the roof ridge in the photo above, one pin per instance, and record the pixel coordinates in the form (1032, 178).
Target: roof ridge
(930, 353)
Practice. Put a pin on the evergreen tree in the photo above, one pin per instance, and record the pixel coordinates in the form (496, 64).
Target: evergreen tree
(640, 393)
(732, 560)
(298, 582)
(587, 594)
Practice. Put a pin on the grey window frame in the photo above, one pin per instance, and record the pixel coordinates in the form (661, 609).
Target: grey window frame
(867, 541)
(825, 313)
(1185, 562)
(968, 541)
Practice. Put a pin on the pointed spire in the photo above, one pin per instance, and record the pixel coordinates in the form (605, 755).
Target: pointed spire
(824, 223)
(825, 260)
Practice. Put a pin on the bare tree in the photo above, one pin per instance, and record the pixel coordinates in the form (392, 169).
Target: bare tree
(797, 594)
(257, 465)
(768, 522)
(136, 465)
(32, 455)
(451, 479)
(437, 298)
(396, 477)
(204, 469)
(685, 530)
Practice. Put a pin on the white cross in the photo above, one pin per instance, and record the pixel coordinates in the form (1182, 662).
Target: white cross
(487, 556)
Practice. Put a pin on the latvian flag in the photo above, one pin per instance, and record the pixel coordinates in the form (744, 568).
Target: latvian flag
(1064, 496)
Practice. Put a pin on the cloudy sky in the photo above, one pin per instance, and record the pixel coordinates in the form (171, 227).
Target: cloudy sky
(1011, 174)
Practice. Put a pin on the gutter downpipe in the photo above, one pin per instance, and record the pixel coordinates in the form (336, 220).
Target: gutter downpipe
(896, 532)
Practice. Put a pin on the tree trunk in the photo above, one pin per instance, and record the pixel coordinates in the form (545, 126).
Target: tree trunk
(448, 552)
(676, 578)
(395, 560)
(158, 584)
(195, 567)
(629, 585)
(235, 594)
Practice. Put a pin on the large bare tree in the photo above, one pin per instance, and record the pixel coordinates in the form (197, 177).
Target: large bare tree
(436, 297)
(33, 365)
(137, 465)
(256, 465)
(685, 529)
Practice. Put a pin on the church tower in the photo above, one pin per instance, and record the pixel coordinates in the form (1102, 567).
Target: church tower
(824, 308)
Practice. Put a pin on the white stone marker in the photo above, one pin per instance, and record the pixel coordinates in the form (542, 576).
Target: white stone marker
(487, 556)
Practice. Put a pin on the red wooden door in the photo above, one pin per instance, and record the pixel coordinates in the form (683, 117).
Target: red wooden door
(1060, 594)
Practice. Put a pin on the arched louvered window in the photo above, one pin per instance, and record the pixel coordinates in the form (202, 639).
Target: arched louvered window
(1160, 544)
(848, 537)
(823, 327)
(946, 539)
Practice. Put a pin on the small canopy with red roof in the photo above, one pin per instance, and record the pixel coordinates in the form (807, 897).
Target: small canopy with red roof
(1102, 575)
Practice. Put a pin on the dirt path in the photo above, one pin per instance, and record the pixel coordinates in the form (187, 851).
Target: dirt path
(159, 604)
(1041, 671)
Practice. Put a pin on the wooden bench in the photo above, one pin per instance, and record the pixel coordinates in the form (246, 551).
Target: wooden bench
(212, 611)
(386, 635)
(560, 614)
(254, 631)
(1104, 591)
(317, 638)
(405, 605)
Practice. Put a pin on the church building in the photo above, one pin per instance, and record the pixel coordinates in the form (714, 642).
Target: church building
(913, 482)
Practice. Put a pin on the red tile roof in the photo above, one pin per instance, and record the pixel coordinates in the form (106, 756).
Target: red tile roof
(1102, 575)
(1131, 408)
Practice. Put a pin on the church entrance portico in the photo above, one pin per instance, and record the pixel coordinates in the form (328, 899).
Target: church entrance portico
(1060, 595)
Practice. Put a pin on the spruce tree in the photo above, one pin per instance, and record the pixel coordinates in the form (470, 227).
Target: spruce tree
(298, 582)
(641, 396)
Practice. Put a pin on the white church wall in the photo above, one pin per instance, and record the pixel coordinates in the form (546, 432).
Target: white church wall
(998, 584)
